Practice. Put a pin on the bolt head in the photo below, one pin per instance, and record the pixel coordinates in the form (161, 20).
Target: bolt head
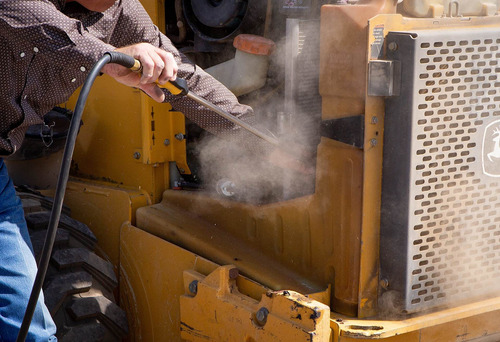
(233, 273)
(193, 287)
(393, 46)
(166, 142)
(261, 316)
(137, 155)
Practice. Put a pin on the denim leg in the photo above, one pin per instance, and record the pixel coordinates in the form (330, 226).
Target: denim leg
(17, 270)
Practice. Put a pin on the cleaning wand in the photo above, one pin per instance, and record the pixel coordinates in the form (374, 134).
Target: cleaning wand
(179, 87)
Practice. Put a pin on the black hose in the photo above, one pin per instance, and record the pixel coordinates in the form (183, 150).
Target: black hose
(109, 57)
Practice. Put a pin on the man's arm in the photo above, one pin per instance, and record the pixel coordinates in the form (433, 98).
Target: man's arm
(61, 38)
(134, 26)
(50, 31)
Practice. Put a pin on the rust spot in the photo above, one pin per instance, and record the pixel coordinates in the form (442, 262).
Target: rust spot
(365, 327)
(295, 306)
(315, 315)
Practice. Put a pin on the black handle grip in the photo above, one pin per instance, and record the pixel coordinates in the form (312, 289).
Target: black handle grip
(122, 59)
(177, 87)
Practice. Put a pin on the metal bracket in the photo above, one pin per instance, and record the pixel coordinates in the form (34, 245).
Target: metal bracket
(213, 309)
(384, 78)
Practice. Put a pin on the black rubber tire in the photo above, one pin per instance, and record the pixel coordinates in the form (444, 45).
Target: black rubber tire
(80, 286)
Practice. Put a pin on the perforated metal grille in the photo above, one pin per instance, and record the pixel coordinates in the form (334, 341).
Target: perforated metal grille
(454, 238)
(303, 101)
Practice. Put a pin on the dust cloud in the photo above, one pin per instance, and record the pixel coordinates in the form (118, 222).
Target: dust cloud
(235, 172)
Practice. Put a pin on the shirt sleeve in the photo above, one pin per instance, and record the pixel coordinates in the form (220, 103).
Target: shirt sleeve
(51, 31)
(134, 26)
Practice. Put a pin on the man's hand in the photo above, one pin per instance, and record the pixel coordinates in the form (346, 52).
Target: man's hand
(157, 66)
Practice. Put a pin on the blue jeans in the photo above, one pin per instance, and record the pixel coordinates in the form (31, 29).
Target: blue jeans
(17, 270)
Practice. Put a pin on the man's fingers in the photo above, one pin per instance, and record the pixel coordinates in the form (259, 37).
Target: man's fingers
(154, 91)
(148, 68)
(158, 65)
(169, 72)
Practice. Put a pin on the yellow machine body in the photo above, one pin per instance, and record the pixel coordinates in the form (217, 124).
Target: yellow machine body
(305, 269)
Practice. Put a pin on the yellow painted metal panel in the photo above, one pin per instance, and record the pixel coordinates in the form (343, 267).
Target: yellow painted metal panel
(155, 9)
(104, 208)
(116, 144)
(186, 229)
(342, 56)
(463, 323)
(160, 125)
(152, 282)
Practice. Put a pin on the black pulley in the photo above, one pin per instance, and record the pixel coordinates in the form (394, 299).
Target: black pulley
(215, 19)
(219, 13)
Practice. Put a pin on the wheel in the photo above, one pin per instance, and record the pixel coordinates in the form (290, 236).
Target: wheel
(80, 286)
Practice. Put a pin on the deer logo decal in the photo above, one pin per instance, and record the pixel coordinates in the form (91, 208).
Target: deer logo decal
(496, 149)
(491, 149)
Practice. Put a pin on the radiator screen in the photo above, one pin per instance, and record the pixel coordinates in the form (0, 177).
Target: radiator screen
(440, 226)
